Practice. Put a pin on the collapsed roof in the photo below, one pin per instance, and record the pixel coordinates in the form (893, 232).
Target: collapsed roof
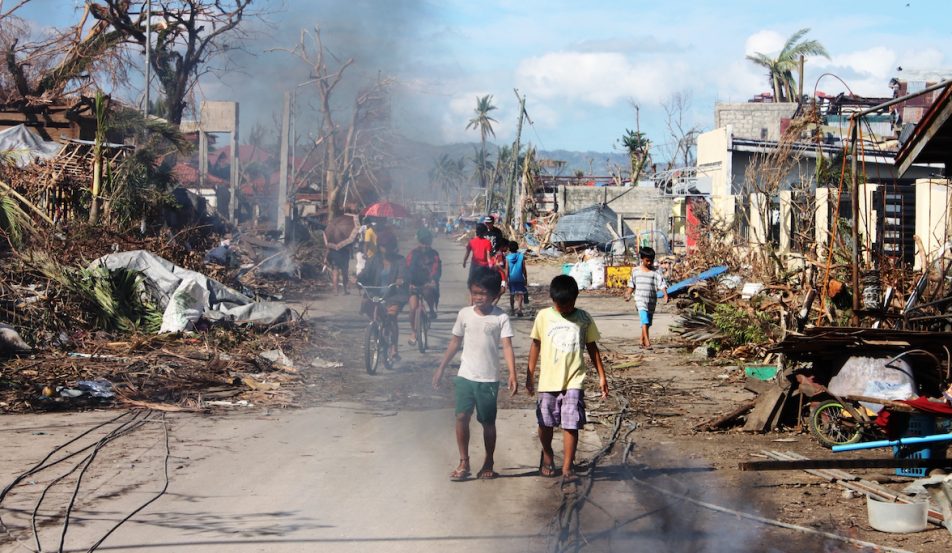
(595, 224)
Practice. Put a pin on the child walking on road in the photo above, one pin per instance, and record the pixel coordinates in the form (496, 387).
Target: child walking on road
(481, 328)
(518, 278)
(645, 282)
(560, 336)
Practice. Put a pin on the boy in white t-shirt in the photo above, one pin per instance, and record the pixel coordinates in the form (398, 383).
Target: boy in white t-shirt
(481, 328)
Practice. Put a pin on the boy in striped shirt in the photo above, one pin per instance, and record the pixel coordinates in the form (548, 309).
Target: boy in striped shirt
(645, 282)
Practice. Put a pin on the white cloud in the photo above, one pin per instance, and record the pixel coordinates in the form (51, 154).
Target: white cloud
(877, 61)
(603, 79)
(765, 42)
(737, 81)
(543, 115)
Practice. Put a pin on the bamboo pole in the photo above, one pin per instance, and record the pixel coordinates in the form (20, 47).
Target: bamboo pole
(6, 187)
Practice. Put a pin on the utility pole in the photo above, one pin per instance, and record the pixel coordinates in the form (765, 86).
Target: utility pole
(233, 203)
(514, 173)
(283, 172)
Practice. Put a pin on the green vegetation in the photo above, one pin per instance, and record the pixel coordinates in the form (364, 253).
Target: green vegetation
(738, 326)
(115, 299)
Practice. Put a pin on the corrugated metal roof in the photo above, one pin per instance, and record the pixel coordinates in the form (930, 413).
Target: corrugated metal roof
(589, 225)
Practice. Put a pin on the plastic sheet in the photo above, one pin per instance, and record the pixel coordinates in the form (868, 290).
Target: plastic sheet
(870, 377)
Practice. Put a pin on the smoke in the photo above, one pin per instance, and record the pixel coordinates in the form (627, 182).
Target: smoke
(668, 513)
(390, 40)
(382, 38)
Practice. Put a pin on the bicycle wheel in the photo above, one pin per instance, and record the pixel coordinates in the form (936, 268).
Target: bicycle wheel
(422, 329)
(831, 424)
(386, 340)
(372, 347)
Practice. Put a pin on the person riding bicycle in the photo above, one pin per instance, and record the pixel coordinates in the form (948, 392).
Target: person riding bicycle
(384, 269)
(424, 269)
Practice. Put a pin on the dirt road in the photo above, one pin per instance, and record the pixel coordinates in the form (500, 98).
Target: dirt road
(363, 467)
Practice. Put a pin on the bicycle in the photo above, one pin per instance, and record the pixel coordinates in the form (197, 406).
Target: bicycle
(379, 337)
(420, 318)
(838, 422)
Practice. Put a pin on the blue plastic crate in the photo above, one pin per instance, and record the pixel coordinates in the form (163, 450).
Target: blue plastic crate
(919, 425)
(923, 452)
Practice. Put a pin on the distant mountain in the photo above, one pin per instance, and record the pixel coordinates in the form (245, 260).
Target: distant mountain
(415, 159)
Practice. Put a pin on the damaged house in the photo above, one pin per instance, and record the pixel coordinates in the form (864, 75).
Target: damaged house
(784, 187)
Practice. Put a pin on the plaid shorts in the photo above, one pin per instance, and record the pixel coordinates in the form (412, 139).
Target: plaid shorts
(565, 409)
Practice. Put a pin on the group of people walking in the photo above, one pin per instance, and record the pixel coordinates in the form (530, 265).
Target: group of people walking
(561, 335)
(490, 249)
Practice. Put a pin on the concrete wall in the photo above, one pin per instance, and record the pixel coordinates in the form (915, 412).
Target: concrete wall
(642, 207)
(714, 162)
(753, 120)
(932, 216)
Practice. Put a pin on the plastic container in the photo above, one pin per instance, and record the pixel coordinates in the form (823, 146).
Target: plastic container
(897, 518)
(921, 452)
(919, 425)
(761, 372)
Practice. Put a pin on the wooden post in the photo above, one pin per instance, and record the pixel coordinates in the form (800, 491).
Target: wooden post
(800, 83)
(202, 157)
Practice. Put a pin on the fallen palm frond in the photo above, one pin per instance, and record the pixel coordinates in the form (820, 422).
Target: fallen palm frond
(14, 222)
(115, 297)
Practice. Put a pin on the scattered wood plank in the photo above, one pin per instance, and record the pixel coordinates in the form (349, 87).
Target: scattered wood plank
(766, 407)
(878, 463)
(855, 483)
(723, 420)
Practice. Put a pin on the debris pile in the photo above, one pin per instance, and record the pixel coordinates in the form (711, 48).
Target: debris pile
(165, 372)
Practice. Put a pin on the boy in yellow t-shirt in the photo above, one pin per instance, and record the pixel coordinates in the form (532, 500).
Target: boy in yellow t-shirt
(559, 336)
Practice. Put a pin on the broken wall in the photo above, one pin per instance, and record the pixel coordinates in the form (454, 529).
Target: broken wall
(641, 208)
(755, 121)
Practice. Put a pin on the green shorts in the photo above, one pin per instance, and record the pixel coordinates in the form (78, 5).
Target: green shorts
(481, 395)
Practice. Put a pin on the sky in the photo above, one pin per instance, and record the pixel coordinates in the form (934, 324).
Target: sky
(583, 66)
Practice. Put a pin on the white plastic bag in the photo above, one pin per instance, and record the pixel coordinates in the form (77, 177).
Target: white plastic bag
(582, 275)
(185, 307)
(596, 266)
(868, 376)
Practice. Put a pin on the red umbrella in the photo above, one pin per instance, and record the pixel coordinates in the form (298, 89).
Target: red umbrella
(386, 209)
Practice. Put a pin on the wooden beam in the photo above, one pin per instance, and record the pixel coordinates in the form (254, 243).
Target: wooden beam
(813, 464)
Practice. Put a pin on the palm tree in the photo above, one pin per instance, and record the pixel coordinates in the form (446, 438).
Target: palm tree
(780, 69)
(638, 147)
(482, 122)
(449, 174)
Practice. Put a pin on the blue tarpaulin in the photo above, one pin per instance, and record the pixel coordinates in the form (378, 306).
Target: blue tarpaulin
(688, 282)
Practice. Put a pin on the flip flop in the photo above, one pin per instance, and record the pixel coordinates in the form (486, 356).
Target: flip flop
(459, 475)
(546, 471)
(487, 474)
